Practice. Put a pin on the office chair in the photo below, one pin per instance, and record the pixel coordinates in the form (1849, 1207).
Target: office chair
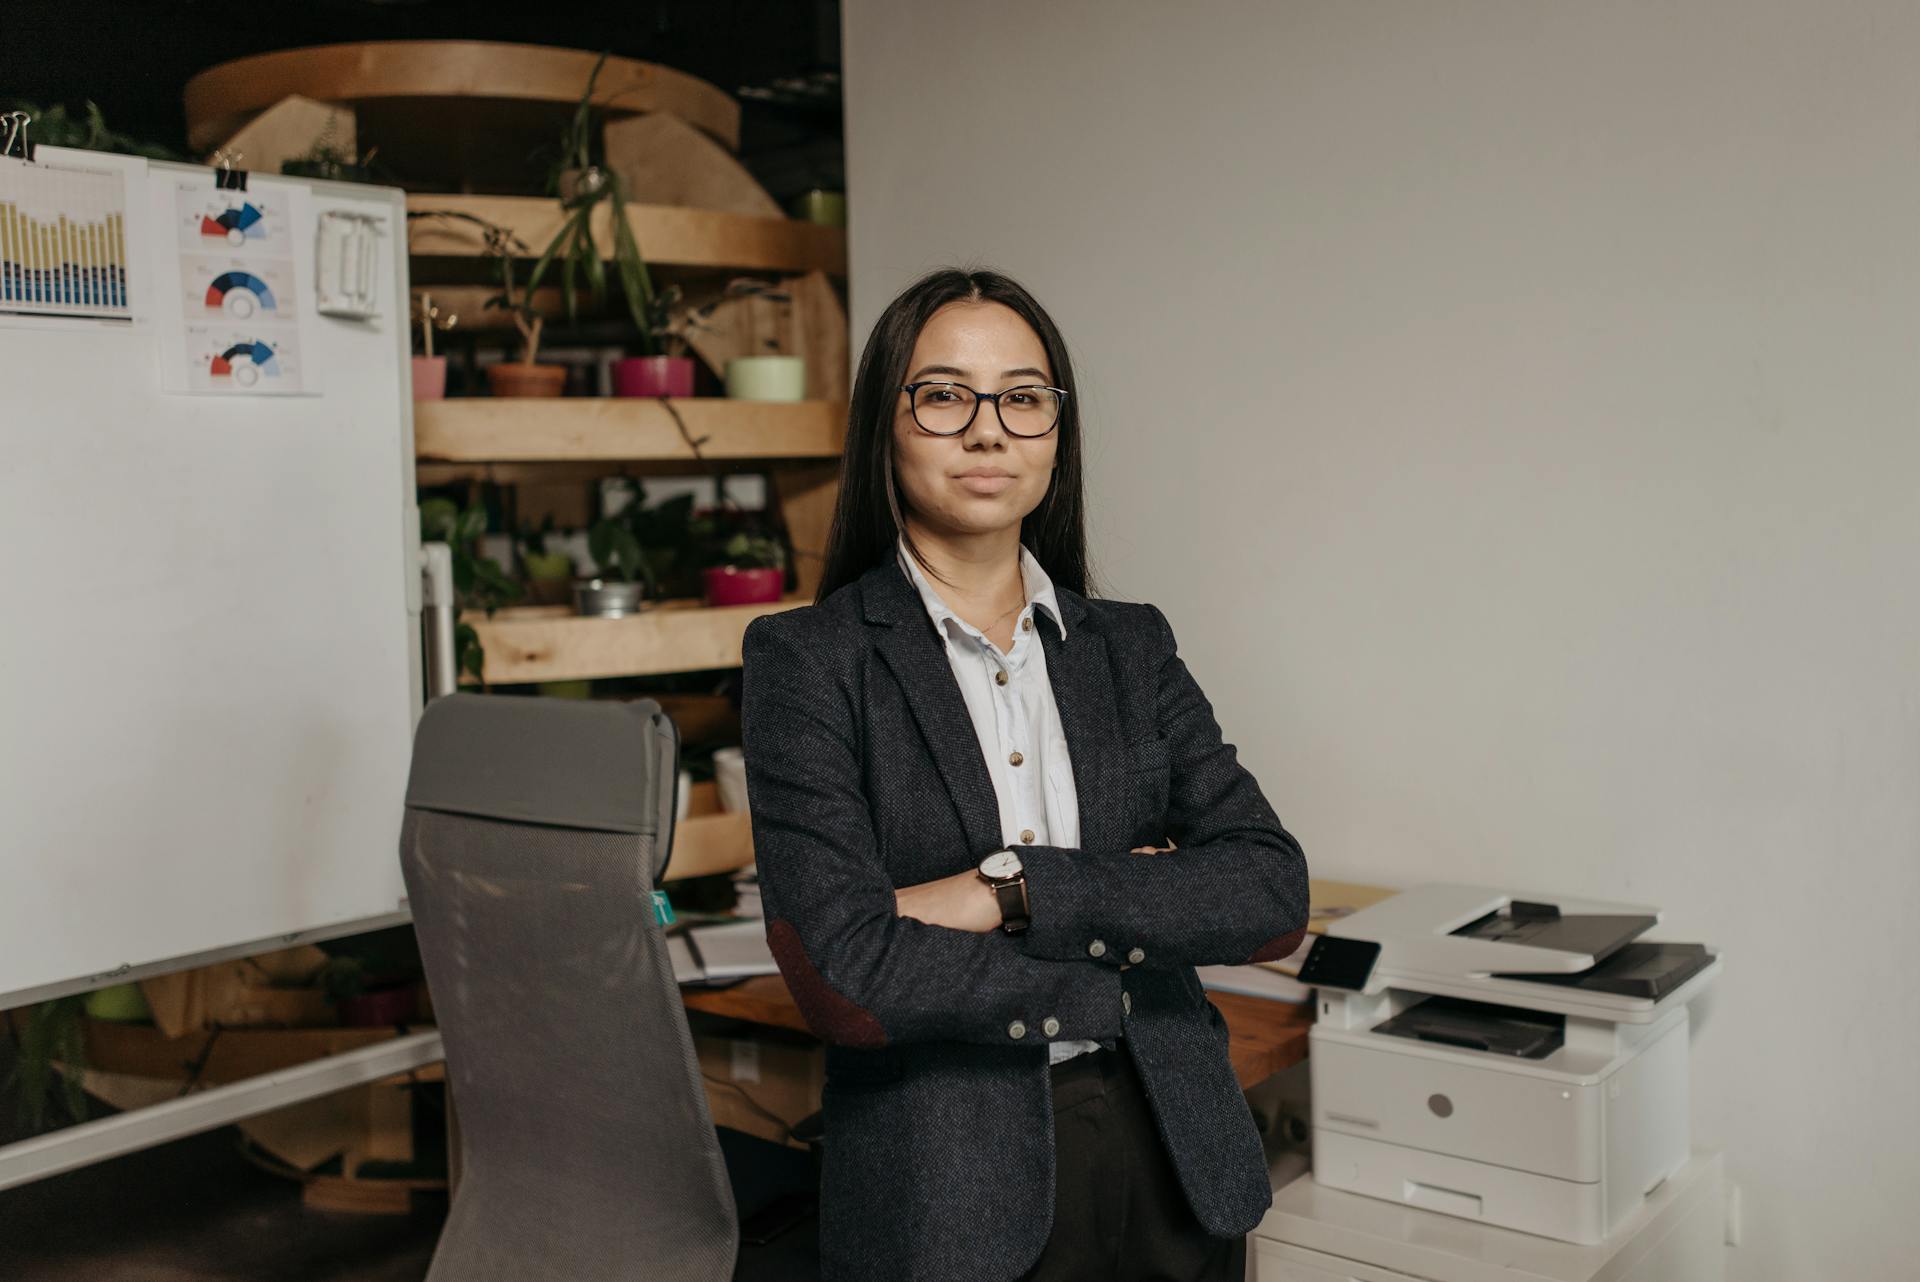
(535, 832)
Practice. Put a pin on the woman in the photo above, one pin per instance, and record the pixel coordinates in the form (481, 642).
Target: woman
(961, 768)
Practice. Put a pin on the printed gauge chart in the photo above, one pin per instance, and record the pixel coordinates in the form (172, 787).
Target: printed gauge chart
(215, 221)
(63, 242)
(219, 287)
(239, 362)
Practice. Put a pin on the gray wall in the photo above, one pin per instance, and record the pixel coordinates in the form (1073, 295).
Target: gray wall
(1512, 407)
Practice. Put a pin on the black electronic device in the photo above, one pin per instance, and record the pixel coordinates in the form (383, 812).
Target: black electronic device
(1334, 962)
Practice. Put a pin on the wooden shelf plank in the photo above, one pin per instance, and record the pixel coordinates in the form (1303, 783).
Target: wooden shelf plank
(485, 429)
(704, 844)
(456, 73)
(552, 643)
(669, 235)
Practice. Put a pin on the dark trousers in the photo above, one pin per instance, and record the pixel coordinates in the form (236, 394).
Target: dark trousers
(1119, 1213)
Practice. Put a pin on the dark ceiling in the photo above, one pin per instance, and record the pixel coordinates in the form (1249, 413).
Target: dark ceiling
(133, 58)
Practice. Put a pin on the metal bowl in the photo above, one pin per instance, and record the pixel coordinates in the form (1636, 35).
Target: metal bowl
(608, 598)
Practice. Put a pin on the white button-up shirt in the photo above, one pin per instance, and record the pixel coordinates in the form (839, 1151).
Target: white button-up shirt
(1010, 700)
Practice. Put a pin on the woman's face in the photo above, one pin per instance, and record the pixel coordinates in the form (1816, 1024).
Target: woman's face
(941, 478)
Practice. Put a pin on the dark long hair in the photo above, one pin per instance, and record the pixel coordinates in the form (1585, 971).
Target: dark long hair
(867, 517)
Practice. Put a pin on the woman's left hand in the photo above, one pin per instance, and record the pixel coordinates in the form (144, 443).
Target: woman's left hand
(963, 902)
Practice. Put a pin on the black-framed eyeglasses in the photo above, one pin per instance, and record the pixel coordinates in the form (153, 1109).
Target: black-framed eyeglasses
(947, 409)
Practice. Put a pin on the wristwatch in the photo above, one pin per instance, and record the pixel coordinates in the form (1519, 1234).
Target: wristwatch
(1002, 871)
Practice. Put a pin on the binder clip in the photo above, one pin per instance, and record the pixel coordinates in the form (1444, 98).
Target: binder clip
(225, 176)
(15, 143)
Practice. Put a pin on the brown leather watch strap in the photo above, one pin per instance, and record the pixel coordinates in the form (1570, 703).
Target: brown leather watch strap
(1012, 895)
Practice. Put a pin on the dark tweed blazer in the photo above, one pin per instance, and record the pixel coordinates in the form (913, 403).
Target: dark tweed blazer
(863, 774)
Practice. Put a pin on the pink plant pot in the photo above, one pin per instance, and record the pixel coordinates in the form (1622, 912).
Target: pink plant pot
(429, 378)
(727, 585)
(653, 376)
(381, 1007)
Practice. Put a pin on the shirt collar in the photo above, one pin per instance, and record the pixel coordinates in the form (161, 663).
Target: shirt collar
(1039, 588)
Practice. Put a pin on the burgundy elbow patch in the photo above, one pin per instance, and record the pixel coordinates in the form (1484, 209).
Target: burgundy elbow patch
(1275, 949)
(828, 1013)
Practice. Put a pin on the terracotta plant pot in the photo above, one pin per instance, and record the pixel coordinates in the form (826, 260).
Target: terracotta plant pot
(511, 378)
(653, 376)
(429, 378)
(730, 585)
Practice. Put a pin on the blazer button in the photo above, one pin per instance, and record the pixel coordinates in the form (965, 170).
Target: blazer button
(1137, 956)
(1050, 1026)
(1016, 1029)
(1126, 1002)
(1015, 758)
(1097, 948)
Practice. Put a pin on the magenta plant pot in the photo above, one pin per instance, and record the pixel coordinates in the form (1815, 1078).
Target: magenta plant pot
(429, 378)
(653, 376)
(380, 1008)
(727, 585)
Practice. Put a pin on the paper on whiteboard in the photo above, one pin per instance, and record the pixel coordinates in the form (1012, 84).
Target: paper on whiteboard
(237, 311)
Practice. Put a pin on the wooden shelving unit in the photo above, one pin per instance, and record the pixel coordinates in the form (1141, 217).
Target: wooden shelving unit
(482, 429)
(669, 235)
(552, 643)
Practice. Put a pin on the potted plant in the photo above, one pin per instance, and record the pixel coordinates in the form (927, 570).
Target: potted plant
(478, 581)
(430, 371)
(522, 377)
(549, 574)
(639, 551)
(752, 569)
(766, 374)
(668, 372)
(325, 159)
(582, 187)
(365, 999)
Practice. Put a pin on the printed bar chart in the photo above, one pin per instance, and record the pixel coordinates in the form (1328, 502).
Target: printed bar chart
(63, 242)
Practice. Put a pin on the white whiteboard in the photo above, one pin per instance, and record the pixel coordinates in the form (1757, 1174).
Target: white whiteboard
(209, 654)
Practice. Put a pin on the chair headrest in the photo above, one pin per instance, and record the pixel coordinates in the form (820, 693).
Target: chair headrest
(568, 763)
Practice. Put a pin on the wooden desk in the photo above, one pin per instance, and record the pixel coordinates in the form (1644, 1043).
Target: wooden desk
(1265, 1036)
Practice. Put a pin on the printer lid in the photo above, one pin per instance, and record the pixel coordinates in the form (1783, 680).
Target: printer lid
(1580, 956)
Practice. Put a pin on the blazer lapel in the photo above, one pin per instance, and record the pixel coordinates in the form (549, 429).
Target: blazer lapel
(1082, 681)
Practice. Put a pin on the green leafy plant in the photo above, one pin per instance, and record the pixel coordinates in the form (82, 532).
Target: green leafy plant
(514, 298)
(753, 552)
(583, 186)
(478, 580)
(57, 127)
(326, 159)
(645, 544)
(54, 1031)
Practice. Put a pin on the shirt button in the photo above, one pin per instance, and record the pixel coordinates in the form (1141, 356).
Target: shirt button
(1026, 835)
(1126, 1002)
(1050, 1026)
(1016, 1029)
(1027, 623)
(1137, 956)
(1000, 676)
(1015, 758)
(1097, 948)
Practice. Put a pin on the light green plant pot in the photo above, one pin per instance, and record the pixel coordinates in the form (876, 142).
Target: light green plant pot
(567, 689)
(123, 1003)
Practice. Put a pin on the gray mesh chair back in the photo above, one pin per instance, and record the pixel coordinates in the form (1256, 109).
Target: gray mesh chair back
(535, 832)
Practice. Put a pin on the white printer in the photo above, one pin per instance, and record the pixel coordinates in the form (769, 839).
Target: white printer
(1517, 1061)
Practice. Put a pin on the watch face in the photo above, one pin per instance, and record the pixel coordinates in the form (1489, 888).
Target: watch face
(1001, 863)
